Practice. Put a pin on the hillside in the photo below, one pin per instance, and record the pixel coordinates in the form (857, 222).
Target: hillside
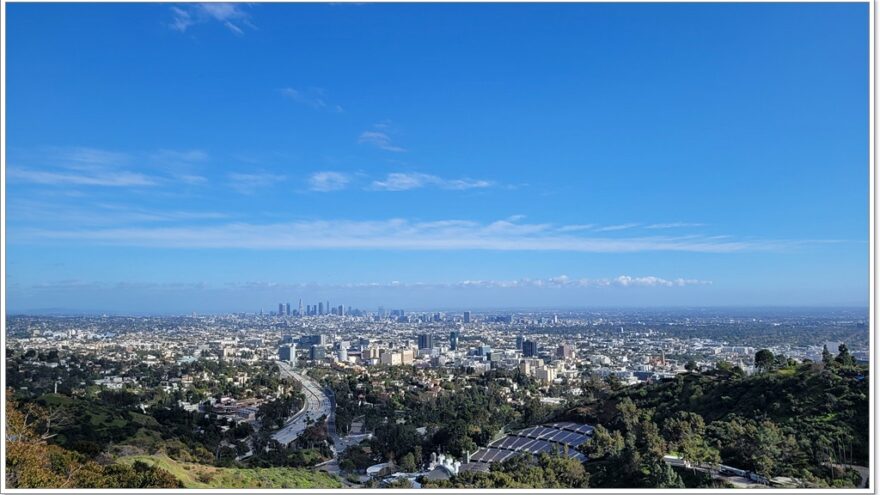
(205, 476)
(788, 420)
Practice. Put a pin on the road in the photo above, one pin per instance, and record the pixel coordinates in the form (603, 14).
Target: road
(317, 405)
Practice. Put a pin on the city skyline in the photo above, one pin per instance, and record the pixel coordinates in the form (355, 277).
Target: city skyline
(225, 157)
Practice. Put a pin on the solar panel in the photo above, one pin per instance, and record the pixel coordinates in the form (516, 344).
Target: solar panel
(578, 442)
(585, 429)
(545, 433)
(480, 455)
(529, 432)
(559, 436)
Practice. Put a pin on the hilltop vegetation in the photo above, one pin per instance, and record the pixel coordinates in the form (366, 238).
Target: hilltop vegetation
(205, 476)
(788, 419)
(31, 462)
(34, 460)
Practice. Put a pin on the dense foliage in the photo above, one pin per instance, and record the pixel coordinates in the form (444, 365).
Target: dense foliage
(794, 420)
(33, 463)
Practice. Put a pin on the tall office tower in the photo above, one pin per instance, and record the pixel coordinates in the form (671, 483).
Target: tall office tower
(453, 340)
(327, 306)
(280, 309)
(565, 351)
(320, 308)
(467, 316)
(436, 316)
(555, 319)
(530, 348)
(381, 311)
(341, 311)
(300, 306)
(316, 353)
(519, 342)
(426, 341)
(287, 309)
(287, 352)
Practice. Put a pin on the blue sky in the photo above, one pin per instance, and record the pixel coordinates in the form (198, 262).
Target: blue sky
(223, 157)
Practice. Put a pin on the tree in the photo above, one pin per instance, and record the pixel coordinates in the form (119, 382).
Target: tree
(827, 358)
(691, 365)
(764, 359)
(604, 443)
(844, 357)
(32, 463)
(408, 463)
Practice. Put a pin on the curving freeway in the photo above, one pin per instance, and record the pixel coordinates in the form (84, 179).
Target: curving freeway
(317, 405)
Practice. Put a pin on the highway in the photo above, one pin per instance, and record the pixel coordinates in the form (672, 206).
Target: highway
(317, 405)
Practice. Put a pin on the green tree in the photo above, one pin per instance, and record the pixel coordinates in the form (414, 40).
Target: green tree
(844, 357)
(827, 358)
(764, 359)
(408, 463)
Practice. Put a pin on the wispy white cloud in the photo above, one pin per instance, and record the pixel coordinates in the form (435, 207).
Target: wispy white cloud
(82, 166)
(328, 181)
(311, 97)
(560, 282)
(232, 16)
(612, 228)
(395, 234)
(379, 137)
(576, 227)
(673, 225)
(412, 180)
(82, 214)
(564, 281)
(71, 178)
(249, 183)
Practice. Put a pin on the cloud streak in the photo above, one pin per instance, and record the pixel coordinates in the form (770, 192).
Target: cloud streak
(560, 282)
(91, 178)
(396, 234)
(379, 137)
(328, 181)
(230, 15)
(413, 180)
(312, 97)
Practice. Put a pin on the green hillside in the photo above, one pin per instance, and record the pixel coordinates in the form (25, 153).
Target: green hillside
(204, 476)
(787, 420)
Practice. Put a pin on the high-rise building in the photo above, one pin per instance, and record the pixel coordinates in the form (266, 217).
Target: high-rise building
(426, 341)
(467, 316)
(453, 340)
(565, 351)
(316, 353)
(327, 307)
(280, 309)
(341, 311)
(300, 306)
(287, 352)
(519, 342)
(530, 348)
(318, 339)
(287, 309)
(320, 308)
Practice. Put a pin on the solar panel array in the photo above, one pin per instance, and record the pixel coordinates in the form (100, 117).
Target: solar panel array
(554, 438)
